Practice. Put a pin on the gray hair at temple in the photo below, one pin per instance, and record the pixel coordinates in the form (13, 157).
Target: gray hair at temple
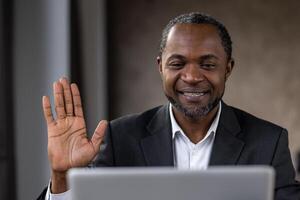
(198, 18)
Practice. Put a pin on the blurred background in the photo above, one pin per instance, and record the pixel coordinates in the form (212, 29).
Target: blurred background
(109, 48)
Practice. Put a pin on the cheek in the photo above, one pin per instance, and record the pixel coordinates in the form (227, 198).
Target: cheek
(219, 83)
(169, 81)
(217, 80)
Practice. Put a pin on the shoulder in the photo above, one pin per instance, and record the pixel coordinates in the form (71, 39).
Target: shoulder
(134, 122)
(250, 121)
(137, 117)
(252, 128)
(261, 138)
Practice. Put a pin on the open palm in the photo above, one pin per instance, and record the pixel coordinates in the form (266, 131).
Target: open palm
(68, 144)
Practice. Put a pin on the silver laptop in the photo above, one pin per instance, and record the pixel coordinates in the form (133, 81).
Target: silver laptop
(216, 183)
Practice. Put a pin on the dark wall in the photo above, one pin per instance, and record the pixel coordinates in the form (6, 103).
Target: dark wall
(265, 80)
(7, 172)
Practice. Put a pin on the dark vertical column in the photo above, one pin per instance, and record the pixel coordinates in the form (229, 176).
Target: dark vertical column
(110, 59)
(76, 48)
(298, 163)
(7, 168)
(88, 57)
(75, 43)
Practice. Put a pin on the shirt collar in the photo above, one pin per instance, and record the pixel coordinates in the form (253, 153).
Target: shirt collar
(212, 129)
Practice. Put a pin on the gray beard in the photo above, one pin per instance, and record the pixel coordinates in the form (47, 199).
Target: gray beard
(195, 112)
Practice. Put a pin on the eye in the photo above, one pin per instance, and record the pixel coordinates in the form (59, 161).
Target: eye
(176, 65)
(208, 65)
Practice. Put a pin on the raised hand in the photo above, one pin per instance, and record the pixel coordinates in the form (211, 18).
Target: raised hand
(68, 144)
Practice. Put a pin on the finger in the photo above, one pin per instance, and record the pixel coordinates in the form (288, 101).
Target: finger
(47, 110)
(67, 96)
(59, 100)
(99, 135)
(76, 100)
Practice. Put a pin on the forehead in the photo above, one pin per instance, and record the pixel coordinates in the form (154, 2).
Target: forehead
(194, 39)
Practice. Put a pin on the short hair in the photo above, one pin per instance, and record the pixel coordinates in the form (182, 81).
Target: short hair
(198, 18)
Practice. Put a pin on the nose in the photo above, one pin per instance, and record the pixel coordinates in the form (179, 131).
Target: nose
(192, 74)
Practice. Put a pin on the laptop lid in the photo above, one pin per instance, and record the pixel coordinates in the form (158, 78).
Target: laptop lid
(216, 183)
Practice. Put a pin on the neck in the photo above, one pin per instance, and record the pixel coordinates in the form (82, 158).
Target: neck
(195, 129)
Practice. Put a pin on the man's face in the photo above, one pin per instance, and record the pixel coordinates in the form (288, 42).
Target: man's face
(194, 68)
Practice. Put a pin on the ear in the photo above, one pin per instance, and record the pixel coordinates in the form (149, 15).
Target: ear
(159, 64)
(229, 68)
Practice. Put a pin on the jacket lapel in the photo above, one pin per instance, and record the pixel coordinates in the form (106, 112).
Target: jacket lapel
(227, 146)
(157, 146)
(158, 150)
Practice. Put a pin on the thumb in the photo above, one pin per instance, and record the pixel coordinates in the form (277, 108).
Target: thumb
(99, 135)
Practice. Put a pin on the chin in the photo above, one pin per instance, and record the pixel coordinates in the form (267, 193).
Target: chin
(194, 111)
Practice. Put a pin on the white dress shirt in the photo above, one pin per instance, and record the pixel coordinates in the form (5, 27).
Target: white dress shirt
(187, 155)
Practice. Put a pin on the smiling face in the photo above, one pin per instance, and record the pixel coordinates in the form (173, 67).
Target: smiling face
(194, 68)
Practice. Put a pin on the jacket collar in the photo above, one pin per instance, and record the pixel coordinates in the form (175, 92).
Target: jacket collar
(158, 149)
(227, 146)
(157, 146)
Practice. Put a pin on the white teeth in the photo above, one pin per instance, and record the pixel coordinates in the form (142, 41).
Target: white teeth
(193, 94)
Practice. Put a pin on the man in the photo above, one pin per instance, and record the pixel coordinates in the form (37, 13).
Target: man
(195, 130)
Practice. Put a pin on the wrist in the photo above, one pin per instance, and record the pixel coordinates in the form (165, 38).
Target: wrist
(58, 182)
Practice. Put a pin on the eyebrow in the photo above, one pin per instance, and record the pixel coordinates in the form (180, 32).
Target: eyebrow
(204, 57)
(176, 56)
(209, 56)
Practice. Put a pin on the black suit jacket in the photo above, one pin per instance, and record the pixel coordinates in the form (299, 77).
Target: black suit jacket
(241, 139)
